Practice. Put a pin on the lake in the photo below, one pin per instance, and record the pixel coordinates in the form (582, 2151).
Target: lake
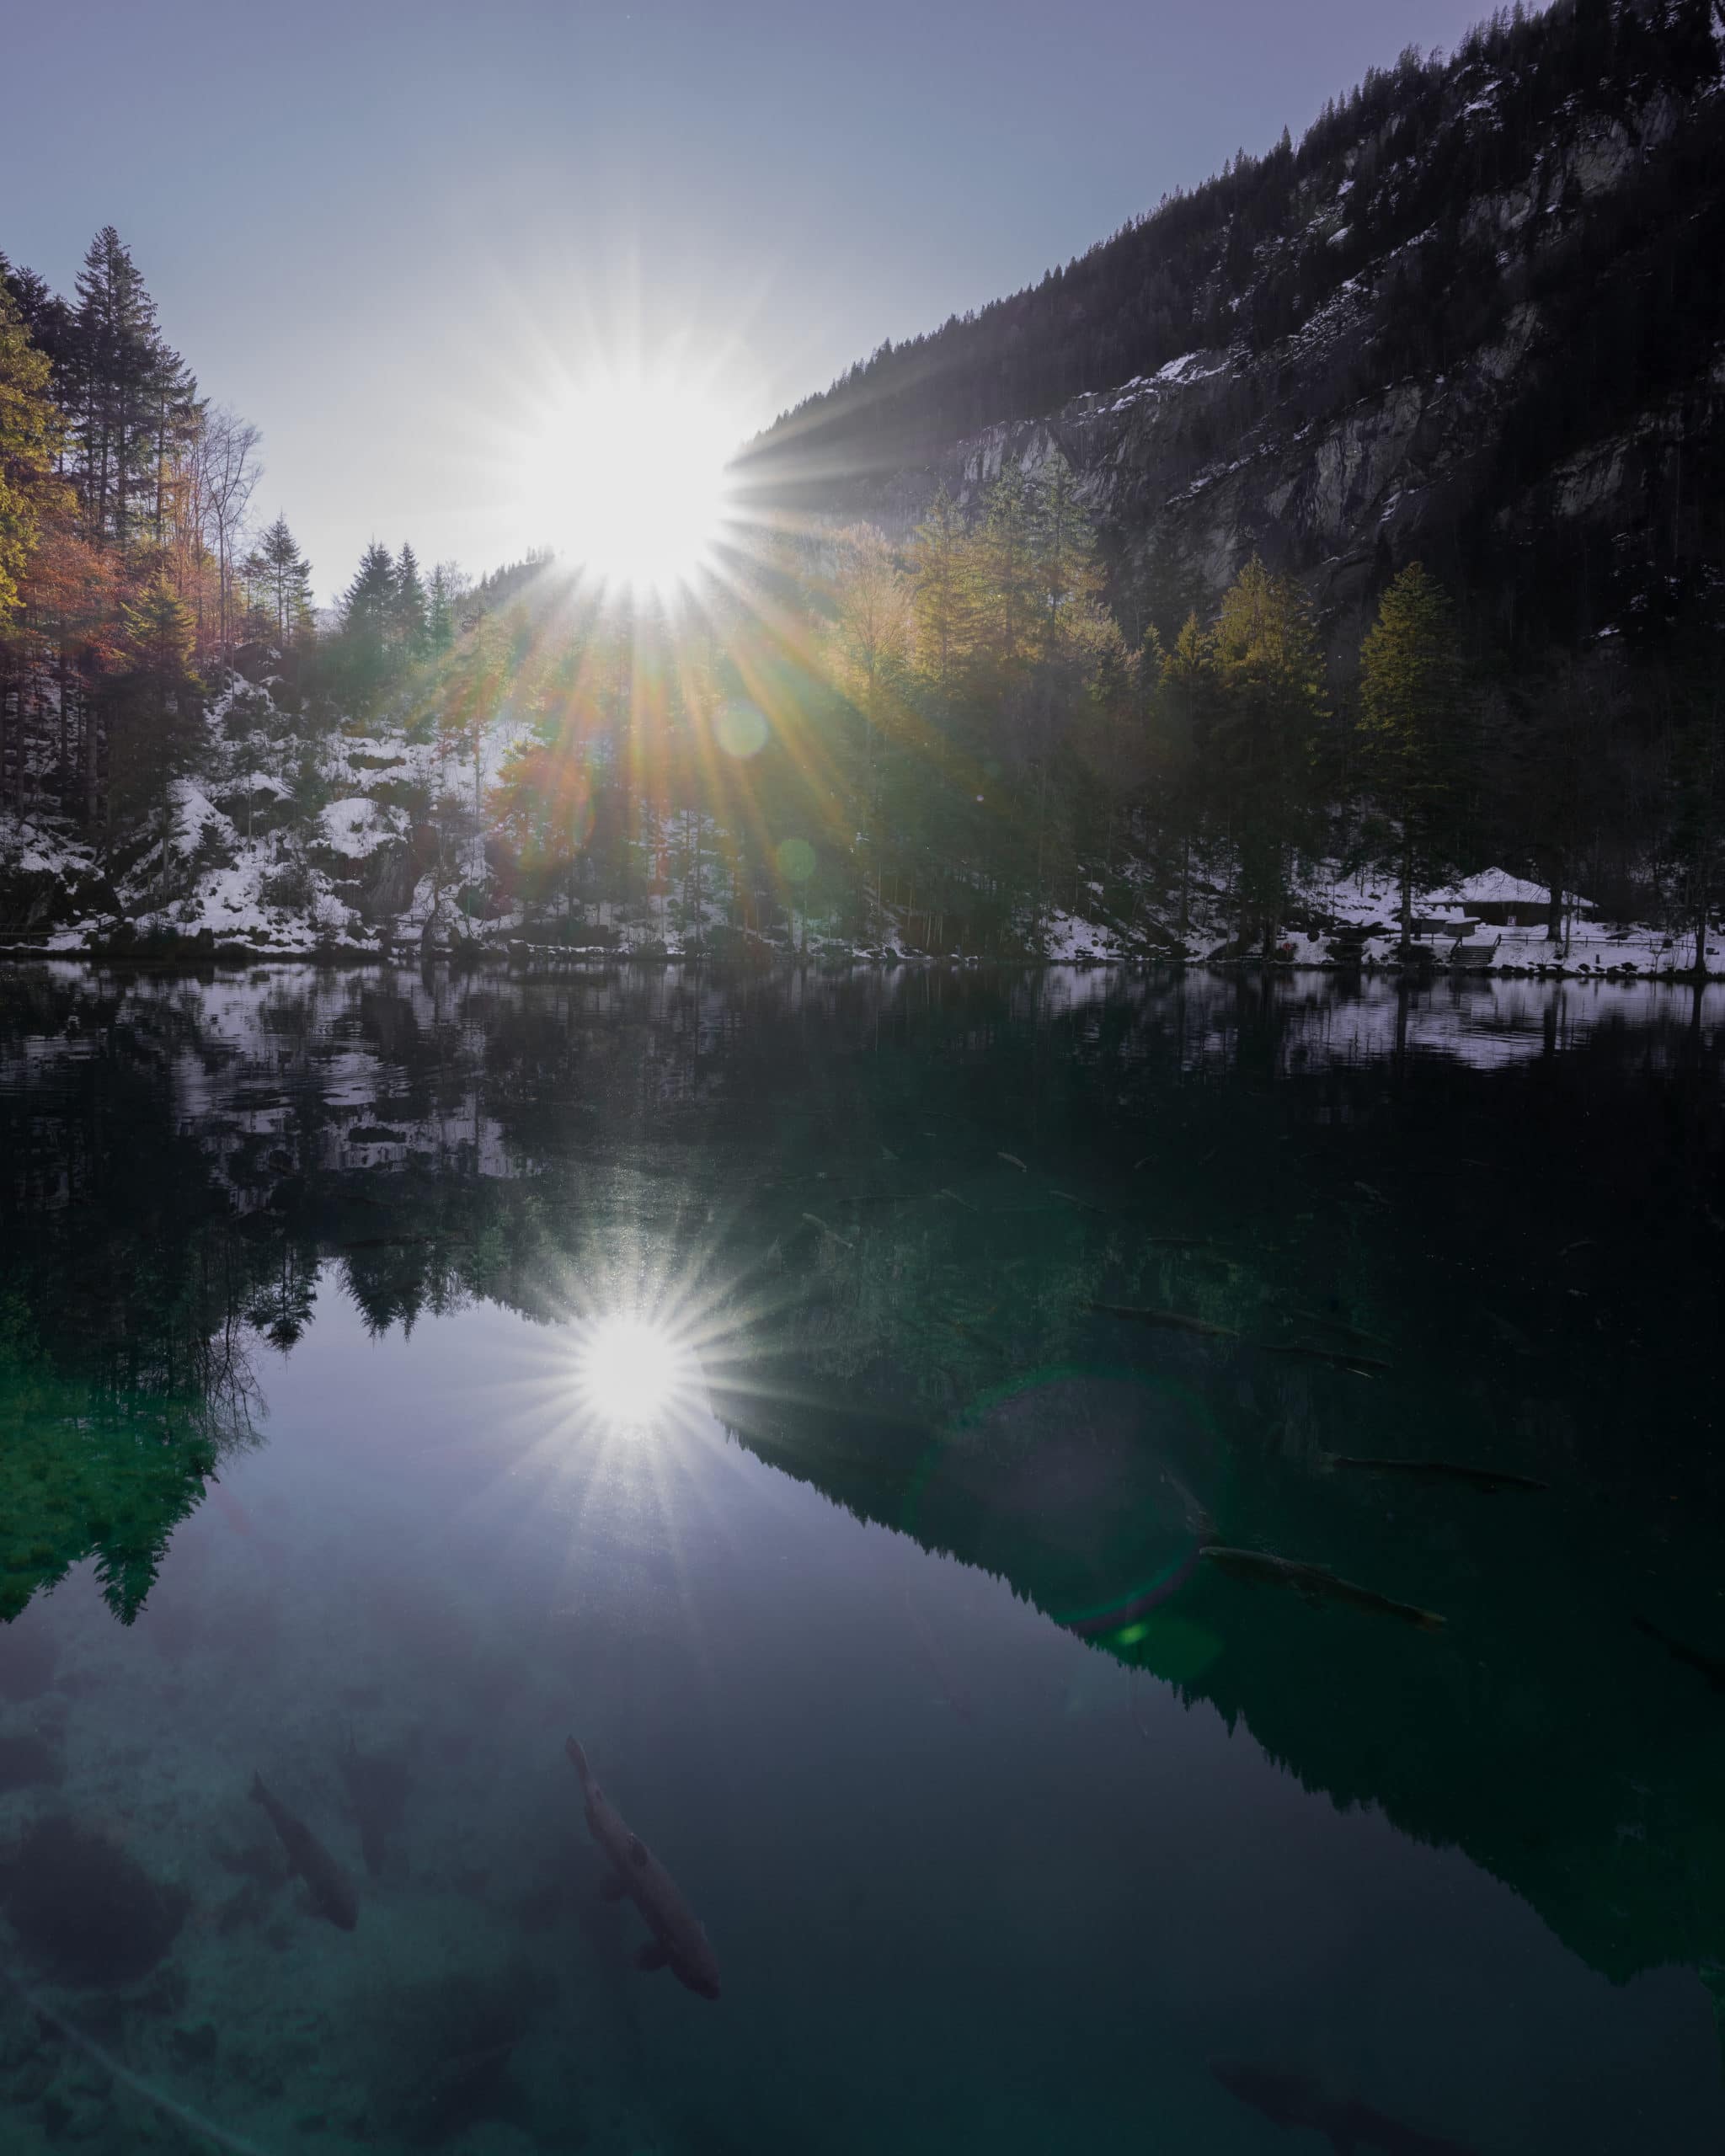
(1143, 1550)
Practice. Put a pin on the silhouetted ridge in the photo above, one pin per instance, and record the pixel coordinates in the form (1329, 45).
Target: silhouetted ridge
(1256, 252)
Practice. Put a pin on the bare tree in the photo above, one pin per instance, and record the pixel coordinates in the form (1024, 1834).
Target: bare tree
(228, 472)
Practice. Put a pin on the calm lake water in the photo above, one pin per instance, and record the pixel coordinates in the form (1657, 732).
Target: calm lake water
(772, 1385)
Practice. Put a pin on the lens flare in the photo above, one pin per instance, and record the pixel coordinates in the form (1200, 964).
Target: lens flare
(742, 730)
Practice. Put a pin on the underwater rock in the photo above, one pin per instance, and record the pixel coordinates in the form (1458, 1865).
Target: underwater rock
(84, 1911)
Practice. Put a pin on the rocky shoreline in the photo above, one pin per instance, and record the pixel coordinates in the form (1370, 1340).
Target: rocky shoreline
(165, 951)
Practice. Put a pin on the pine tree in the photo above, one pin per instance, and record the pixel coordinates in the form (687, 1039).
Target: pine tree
(410, 622)
(1007, 563)
(285, 576)
(1415, 727)
(1181, 683)
(942, 587)
(1069, 577)
(52, 326)
(368, 604)
(158, 636)
(1266, 667)
(872, 626)
(135, 397)
(361, 656)
(440, 612)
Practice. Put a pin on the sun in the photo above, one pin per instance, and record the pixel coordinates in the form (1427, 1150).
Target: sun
(629, 1371)
(626, 477)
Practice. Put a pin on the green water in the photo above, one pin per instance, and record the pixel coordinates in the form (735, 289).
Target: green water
(984, 1313)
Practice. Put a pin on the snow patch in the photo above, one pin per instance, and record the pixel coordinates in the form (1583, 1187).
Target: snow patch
(356, 826)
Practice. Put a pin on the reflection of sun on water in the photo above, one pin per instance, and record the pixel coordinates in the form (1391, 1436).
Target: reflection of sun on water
(628, 1370)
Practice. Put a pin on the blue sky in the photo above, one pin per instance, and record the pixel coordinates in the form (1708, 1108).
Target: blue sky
(386, 233)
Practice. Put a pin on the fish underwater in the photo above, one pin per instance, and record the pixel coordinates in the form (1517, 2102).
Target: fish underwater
(1314, 1583)
(1341, 1358)
(332, 1890)
(1296, 2100)
(1331, 1323)
(679, 1940)
(1172, 1321)
(1487, 1481)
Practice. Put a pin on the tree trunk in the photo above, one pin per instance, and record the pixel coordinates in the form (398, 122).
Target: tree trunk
(1406, 883)
(92, 753)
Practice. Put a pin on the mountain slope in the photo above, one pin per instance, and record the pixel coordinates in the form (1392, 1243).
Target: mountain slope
(1475, 315)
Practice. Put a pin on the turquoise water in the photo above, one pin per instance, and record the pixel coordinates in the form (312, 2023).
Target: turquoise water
(869, 1570)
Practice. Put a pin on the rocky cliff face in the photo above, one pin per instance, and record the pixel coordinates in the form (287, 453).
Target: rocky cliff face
(1526, 391)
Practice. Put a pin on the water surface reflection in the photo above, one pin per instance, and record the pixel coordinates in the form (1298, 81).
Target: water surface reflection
(888, 1626)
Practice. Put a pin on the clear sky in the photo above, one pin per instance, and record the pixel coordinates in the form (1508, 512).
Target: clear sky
(387, 233)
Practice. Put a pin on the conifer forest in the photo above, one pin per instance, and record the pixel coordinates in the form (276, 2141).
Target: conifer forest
(968, 692)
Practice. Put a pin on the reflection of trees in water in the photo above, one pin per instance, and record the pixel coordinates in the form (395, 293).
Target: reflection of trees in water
(88, 1471)
(909, 1323)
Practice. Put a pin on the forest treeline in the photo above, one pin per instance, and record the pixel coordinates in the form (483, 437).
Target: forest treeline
(1008, 752)
(946, 737)
(133, 566)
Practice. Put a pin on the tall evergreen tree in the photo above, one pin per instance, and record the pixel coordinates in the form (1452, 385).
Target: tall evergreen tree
(1267, 674)
(361, 659)
(1007, 562)
(135, 397)
(410, 622)
(1415, 729)
(440, 612)
(52, 326)
(284, 576)
(1069, 577)
(943, 587)
(1175, 684)
(368, 604)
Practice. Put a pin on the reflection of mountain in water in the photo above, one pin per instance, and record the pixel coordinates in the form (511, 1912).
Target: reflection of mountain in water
(901, 1206)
